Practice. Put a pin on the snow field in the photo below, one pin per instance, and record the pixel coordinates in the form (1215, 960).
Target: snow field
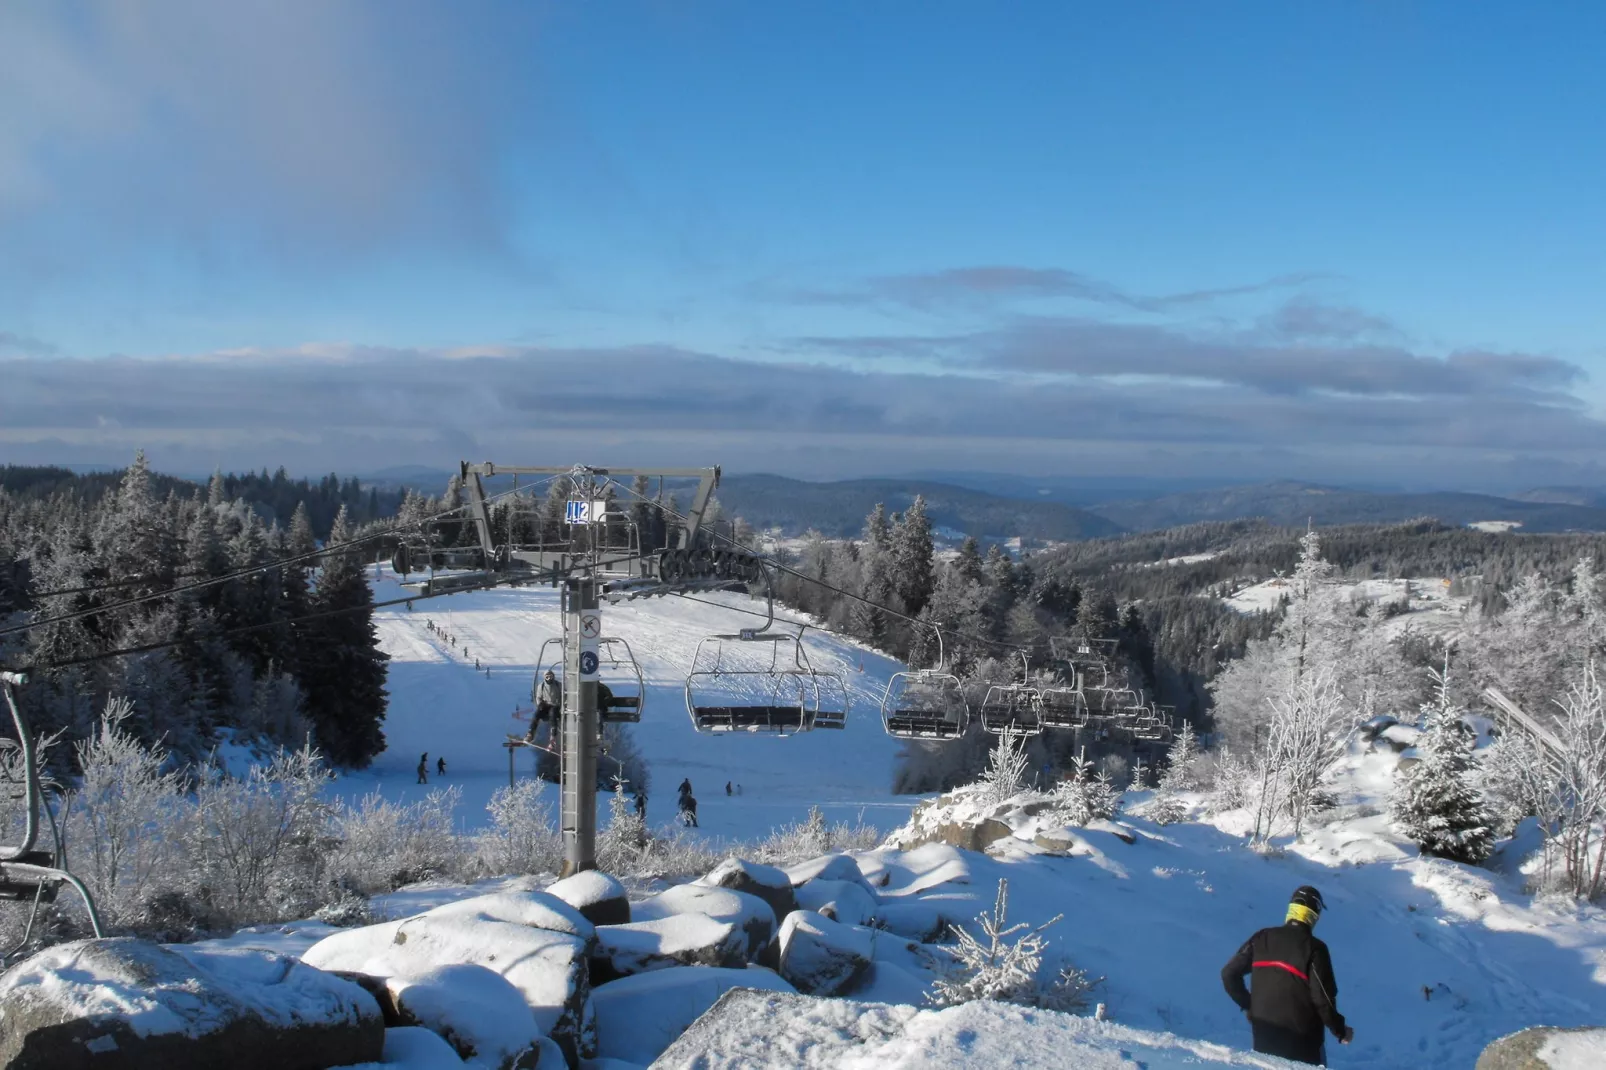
(441, 704)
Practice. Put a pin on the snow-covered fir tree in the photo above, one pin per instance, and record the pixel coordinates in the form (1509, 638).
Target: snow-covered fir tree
(1436, 804)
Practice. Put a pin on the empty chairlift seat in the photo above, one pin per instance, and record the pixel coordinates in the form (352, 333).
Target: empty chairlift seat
(924, 704)
(1064, 707)
(1014, 707)
(761, 681)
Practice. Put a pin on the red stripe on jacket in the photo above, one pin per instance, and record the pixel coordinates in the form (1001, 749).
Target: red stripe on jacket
(1274, 964)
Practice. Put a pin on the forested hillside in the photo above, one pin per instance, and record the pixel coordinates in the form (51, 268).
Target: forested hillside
(273, 497)
(273, 652)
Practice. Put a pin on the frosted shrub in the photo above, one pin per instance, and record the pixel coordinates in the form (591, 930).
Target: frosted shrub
(674, 852)
(801, 840)
(383, 845)
(1083, 797)
(1005, 963)
(521, 837)
(118, 819)
(1182, 772)
(1006, 769)
(622, 844)
(257, 844)
(1235, 782)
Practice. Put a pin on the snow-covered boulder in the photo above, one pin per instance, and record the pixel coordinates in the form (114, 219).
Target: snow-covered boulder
(1546, 1048)
(923, 920)
(1124, 833)
(1400, 737)
(638, 1017)
(769, 883)
(823, 957)
(886, 982)
(677, 940)
(828, 868)
(549, 968)
(844, 901)
(412, 1047)
(597, 895)
(748, 913)
(125, 1003)
(538, 910)
(482, 1016)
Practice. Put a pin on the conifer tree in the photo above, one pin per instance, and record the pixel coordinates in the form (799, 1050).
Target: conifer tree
(1435, 803)
(342, 669)
(912, 553)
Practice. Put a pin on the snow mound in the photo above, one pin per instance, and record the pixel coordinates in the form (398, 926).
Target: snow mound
(154, 1004)
(677, 940)
(748, 913)
(538, 910)
(748, 1029)
(412, 1047)
(844, 901)
(477, 1011)
(638, 1017)
(821, 956)
(827, 868)
(595, 894)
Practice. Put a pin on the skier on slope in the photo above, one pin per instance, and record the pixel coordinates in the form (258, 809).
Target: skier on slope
(423, 768)
(685, 786)
(1293, 994)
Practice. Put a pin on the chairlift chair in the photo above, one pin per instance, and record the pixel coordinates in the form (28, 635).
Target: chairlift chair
(1013, 707)
(925, 703)
(1064, 707)
(788, 696)
(617, 667)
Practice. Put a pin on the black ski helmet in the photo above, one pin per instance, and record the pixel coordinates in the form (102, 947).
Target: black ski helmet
(1309, 897)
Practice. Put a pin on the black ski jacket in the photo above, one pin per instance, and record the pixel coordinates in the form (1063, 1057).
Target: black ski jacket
(1293, 988)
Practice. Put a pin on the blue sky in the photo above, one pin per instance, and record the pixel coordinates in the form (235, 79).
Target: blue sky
(1355, 242)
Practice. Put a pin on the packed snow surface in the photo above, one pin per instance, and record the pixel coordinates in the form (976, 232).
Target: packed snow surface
(440, 703)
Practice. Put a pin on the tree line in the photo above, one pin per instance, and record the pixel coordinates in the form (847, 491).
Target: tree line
(241, 656)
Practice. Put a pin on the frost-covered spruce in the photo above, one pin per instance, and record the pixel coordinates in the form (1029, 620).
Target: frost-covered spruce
(1435, 803)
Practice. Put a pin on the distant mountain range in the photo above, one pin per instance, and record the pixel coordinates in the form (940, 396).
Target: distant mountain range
(1293, 504)
(838, 509)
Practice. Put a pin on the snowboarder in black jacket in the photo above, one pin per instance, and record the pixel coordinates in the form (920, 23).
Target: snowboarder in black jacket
(1293, 994)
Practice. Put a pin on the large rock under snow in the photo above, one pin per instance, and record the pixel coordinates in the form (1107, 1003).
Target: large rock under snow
(638, 1017)
(770, 884)
(538, 910)
(125, 1003)
(835, 867)
(1546, 1048)
(474, 1009)
(678, 940)
(597, 895)
(844, 901)
(748, 913)
(822, 957)
(548, 967)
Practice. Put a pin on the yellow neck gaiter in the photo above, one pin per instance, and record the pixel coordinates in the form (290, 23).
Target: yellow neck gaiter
(1304, 914)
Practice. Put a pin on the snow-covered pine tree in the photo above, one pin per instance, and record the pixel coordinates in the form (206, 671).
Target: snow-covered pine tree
(1182, 761)
(342, 669)
(1006, 768)
(912, 553)
(1435, 803)
(620, 845)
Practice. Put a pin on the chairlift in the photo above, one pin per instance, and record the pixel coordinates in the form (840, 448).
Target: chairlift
(730, 689)
(925, 703)
(1013, 707)
(1064, 707)
(617, 670)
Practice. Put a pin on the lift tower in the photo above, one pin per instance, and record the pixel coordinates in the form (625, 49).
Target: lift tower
(589, 569)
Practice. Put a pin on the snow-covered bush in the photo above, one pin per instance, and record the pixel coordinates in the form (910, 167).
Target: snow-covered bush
(1310, 728)
(1575, 810)
(1006, 768)
(621, 845)
(381, 845)
(1182, 761)
(1004, 963)
(1084, 796)
(118, 819)
(520, 838)
(256, 845)
(1435, 803)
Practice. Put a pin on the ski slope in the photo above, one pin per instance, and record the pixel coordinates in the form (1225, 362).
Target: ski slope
(442, 704)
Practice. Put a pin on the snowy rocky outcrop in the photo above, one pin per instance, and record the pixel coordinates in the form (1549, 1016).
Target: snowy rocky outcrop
(477, 1011)
(846, 901)
(598, 896)
(823, 957)
(1546, 1048)
(502, 933)
(676, 940)
(638, 1017)
(752, 915)
(968, 819)
(125, 1003)
(770, 884)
